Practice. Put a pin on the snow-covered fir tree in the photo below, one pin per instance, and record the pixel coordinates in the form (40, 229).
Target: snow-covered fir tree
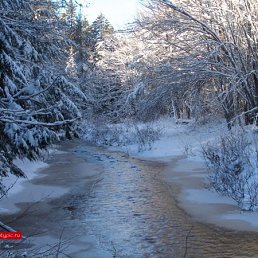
(37, 102)
(99, 30)
(71, 67)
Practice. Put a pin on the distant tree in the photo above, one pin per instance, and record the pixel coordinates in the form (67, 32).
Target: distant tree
(101, 82)
(82, 39)
(77, 33)
(101, 27)
(107, 94)
(99, 30)
(70, 14)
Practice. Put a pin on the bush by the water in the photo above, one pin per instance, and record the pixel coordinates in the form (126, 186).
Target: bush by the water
(233, 164)
(143, 135)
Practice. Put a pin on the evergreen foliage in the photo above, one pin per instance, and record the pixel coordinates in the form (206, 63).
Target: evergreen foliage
(37, 103)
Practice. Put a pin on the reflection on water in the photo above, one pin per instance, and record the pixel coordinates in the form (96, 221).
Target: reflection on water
(133, 214)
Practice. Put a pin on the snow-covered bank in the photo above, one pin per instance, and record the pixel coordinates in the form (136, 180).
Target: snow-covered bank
(183, 138)
(206, 205)
(180, 147)
(15, 186)
(30, 168)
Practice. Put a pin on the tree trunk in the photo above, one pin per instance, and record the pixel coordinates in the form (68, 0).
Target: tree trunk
(255, 67)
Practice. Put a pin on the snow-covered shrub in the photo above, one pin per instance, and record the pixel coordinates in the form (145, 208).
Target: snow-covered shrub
(102, 133)
(233, 163)
(146, 135)
(188, 149)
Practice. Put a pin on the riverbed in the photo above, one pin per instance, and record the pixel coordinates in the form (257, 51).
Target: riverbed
(93, 202)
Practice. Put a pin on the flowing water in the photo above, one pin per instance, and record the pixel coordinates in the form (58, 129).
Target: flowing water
(134, 211)
(128, 211)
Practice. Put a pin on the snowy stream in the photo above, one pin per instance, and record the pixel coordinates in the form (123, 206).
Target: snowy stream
(113, 205)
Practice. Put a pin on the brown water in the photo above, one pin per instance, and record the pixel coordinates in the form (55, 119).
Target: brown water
(117, 206)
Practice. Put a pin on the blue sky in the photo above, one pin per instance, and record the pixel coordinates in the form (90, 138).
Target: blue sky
(118, 12)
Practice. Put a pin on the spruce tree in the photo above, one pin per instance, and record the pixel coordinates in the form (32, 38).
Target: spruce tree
(37, 103)
(99, 30)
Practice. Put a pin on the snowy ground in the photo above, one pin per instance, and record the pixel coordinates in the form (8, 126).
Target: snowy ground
(16, 185)
(182, 143)
(178, 139)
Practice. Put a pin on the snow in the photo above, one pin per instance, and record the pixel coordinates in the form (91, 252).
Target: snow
(31, 169)
(249, 217)
(180, 139)
(204, 196)
(22, 189)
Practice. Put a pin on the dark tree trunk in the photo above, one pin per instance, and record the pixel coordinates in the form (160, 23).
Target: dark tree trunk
(255, 67)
